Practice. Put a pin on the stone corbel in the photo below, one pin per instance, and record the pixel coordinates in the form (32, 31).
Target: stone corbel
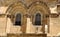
(9, 16)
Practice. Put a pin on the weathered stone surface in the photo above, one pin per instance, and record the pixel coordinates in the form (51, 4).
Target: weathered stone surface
(29, 8)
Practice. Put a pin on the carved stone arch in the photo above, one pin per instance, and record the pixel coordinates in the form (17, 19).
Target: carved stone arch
(44, 10)
(18, 7)
(40, 6)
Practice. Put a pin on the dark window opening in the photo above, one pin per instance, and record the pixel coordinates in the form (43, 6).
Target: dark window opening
(38, 19)
(18, 20)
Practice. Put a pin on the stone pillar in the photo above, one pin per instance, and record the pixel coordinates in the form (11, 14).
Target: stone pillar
(23, 27)
(46, 28)
(28, 25)
(8, 25)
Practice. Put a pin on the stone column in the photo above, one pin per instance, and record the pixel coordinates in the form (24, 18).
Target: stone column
(28, 25)
(23, 27)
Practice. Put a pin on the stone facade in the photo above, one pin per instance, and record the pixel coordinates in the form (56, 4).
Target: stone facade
(49, 9)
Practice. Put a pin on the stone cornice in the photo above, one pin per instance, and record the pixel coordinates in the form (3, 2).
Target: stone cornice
(54, 15)
(2, 15)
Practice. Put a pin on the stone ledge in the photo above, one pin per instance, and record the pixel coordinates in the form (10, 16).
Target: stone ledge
(27, 35)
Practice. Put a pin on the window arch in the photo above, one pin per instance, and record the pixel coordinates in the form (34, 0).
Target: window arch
(18, 19)
(38, 19)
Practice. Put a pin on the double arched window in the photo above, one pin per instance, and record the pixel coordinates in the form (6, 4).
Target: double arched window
(18, 19)
(38, 19)
(36, 22)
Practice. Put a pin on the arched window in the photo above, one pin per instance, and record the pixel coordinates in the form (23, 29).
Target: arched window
(18, 19)
(38, 19)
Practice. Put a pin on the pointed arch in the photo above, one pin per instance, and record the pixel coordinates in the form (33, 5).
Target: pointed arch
(15, 8)
(39, 6)
(18, 19)
(38, 19)
(43, 9)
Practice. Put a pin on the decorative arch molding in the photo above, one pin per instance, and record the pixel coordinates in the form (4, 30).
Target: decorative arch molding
(20, 5)
(43, 9)
(40, 6)
(16, 5)
(30, 10)
(15, 8)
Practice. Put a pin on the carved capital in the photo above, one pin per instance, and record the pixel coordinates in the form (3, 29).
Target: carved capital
(10, 16)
